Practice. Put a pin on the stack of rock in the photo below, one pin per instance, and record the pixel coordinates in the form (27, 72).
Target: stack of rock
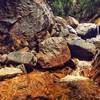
(33, 39)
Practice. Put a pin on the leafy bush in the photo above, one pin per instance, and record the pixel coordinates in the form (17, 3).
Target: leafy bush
(81, 9)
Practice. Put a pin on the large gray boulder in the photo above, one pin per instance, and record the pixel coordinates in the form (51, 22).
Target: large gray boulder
(24, 22)
(24, 16)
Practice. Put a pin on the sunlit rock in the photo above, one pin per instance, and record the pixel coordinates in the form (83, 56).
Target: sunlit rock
(54, 52)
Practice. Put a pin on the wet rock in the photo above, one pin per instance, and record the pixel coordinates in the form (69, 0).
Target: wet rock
(86, 30)
(72, 21)
(81, 49)
(8, 72)
(22, 57)
(53, 52)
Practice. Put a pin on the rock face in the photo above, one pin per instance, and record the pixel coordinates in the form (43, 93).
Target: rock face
(24, 16)
(53, 52)
(86, 30)
(22, 57)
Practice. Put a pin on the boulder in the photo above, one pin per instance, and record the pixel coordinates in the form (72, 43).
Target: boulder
(53, 52)
(72, 21)
(24, 16)
(22, 57)
(97, 21)
(27, 20)
(81, 49)
(86, 30)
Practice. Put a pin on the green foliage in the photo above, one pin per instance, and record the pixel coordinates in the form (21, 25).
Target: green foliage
(58, 6)
(77, 8)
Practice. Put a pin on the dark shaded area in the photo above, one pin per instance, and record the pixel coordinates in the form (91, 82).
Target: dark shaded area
(7, 40)
(69, 64)
(80, 53)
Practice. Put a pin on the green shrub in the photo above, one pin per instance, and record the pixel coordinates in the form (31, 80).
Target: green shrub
(81, 9)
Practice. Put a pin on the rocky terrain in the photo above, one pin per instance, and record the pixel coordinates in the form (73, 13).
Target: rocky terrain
(46, 57)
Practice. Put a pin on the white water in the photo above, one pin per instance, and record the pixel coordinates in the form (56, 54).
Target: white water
(76, 75)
